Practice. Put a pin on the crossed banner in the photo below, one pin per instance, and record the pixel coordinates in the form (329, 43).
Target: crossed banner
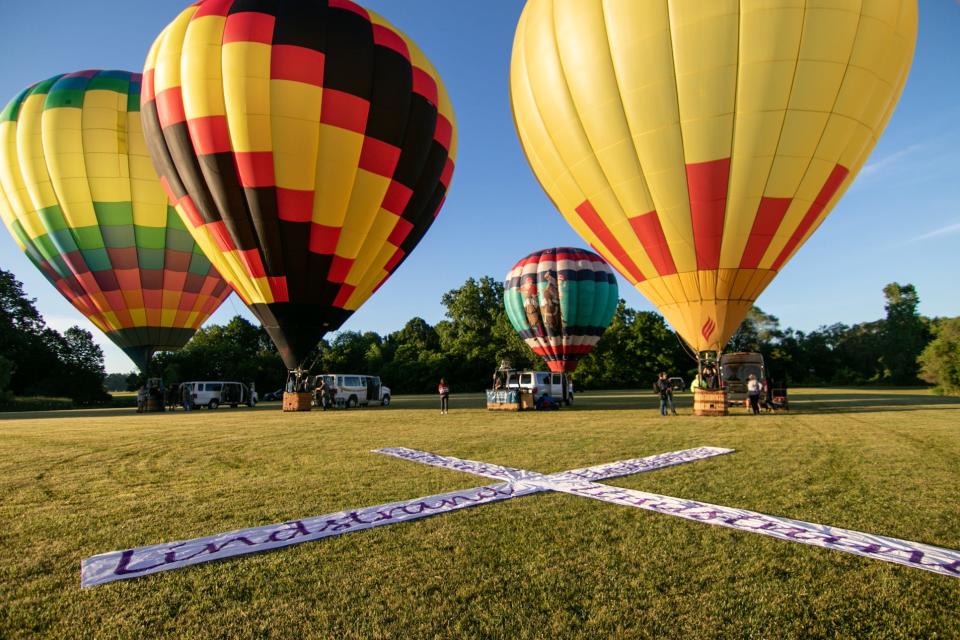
(513, 483)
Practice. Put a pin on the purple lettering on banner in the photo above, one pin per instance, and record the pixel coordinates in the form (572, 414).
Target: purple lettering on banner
(130, 563)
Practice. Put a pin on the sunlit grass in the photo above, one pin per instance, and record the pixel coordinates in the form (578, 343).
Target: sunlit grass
(73, 484)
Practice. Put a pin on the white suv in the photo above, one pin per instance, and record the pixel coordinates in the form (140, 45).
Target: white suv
(556, 385)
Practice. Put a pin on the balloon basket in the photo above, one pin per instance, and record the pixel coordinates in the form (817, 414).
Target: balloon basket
(297, 401)
(709, 402)
(154, 405)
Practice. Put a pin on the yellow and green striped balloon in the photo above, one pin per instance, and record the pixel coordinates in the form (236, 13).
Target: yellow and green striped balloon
(80, 196)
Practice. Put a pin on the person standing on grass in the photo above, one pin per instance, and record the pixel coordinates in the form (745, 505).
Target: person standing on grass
(444, 392)
(186, 397)
(662, 387)
(753, 393)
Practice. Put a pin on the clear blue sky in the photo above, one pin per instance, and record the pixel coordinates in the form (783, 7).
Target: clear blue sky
(899, 222)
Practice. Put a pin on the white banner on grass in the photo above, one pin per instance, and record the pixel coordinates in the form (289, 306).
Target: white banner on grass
(912, 554)
(141, 561)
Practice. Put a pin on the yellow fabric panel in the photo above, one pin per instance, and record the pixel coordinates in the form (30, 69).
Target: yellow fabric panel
(829, 29)
(111, 321)
(641, 31)
(295, 149)
(30, 151)
(200, 65)
(364, 287)
(365, 198)
(595, 94)
(139, 317)
(704, 38)
(246, 89)
(373, 247)
(169, 43)
(295, 127)
(337, 160)
(801, 133)
(10, 179)
(546, 77)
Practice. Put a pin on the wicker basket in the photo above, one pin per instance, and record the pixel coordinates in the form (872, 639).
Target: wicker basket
(709, 402)
(297, 401)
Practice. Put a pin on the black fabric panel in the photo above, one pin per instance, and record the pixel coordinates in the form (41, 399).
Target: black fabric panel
(220, 171)
(300, 24)
(297, 328)
(177, 137)
(258, 6)
(427, 197)
(295, 239)
(417, 142)
(390, 97)
(159, 153)
(321, 291)
(349, 56)
(262, 205)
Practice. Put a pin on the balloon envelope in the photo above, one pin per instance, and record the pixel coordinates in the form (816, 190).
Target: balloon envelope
(560, 301)
(308, 144)
(81, 198)
(697, 145)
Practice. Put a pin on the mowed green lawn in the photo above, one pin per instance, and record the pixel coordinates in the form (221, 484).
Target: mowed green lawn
(73, 484)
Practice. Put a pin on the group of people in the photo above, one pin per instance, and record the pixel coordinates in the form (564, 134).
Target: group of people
(161, 396)
(664, 389)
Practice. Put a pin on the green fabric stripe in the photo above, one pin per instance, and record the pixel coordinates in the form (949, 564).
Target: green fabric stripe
(173, 219)
(133, 102)
(63, 238)
(43, 87)
(199, 264)
(114, 213)
(72, 98)
(103, 82)
(151, 237)
(150, 258)
(118, 236)
(52, 218)
(96, 259)
(179, 240)
(12, 111)
(88, 238)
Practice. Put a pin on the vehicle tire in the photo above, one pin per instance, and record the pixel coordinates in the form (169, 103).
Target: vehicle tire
(352, 402)
(213, 404)
(385, 402)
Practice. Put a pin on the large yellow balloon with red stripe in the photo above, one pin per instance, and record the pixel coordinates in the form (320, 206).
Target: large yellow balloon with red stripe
(697, 144)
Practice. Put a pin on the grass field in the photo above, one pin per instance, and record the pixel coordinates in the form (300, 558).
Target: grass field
(77, 483)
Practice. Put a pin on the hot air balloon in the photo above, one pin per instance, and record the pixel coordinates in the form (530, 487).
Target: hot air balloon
(697, 145)
(308, 145)
(560, 301)
(81, 198)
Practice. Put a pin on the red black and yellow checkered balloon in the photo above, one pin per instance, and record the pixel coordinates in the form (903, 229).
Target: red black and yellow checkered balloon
(307, 144)
(80, 196)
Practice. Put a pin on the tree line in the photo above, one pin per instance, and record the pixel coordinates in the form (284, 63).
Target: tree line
(36, 360)
(475, 336)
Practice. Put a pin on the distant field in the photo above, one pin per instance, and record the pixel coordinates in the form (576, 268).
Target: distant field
(76, 483)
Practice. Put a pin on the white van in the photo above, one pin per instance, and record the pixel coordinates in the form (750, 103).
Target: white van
(556, 385)
(214, 394)
(351, 390)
